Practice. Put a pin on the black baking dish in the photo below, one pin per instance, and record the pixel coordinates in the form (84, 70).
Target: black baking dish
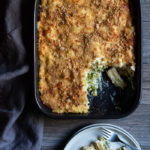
(112, 103)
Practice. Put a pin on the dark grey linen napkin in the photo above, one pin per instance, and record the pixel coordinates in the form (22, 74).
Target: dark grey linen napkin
(21, 126)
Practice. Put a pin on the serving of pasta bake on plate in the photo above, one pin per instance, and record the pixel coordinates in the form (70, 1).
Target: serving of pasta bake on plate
(77, 41)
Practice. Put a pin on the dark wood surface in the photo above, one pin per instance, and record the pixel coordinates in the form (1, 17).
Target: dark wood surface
(57, 132)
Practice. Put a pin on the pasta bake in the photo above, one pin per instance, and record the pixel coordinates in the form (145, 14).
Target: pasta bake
(102, 144)
(77, 40)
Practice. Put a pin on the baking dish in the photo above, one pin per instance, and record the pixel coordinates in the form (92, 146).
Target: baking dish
(112, 102)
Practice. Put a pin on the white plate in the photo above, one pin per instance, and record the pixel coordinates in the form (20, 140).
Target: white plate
(90, 133)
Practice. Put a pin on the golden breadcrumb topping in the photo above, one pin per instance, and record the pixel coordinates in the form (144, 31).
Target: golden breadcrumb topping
(74, 33)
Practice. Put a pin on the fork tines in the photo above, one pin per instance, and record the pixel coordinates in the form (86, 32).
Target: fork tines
(106, 133)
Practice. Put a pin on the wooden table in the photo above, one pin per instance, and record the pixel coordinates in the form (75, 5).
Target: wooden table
(57, 132)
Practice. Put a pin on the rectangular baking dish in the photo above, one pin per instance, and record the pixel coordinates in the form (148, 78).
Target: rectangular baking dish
(111, 103)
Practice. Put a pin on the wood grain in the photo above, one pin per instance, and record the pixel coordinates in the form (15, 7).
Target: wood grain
(58, 132)
(146, 42)
(145, 11)
(146, 84)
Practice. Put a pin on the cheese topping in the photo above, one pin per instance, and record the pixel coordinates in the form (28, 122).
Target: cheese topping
(72, 35)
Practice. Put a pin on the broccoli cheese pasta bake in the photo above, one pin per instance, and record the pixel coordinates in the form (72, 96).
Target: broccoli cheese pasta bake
(79, 39)
(103, 144)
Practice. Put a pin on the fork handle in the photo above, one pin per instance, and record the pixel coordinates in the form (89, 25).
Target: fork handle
(132, 147)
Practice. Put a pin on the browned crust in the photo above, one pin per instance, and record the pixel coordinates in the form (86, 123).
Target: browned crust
(73, 33)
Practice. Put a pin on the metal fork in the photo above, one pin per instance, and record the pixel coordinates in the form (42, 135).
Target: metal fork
(113, 137)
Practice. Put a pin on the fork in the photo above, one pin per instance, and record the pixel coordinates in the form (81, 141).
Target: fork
(113, 137)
